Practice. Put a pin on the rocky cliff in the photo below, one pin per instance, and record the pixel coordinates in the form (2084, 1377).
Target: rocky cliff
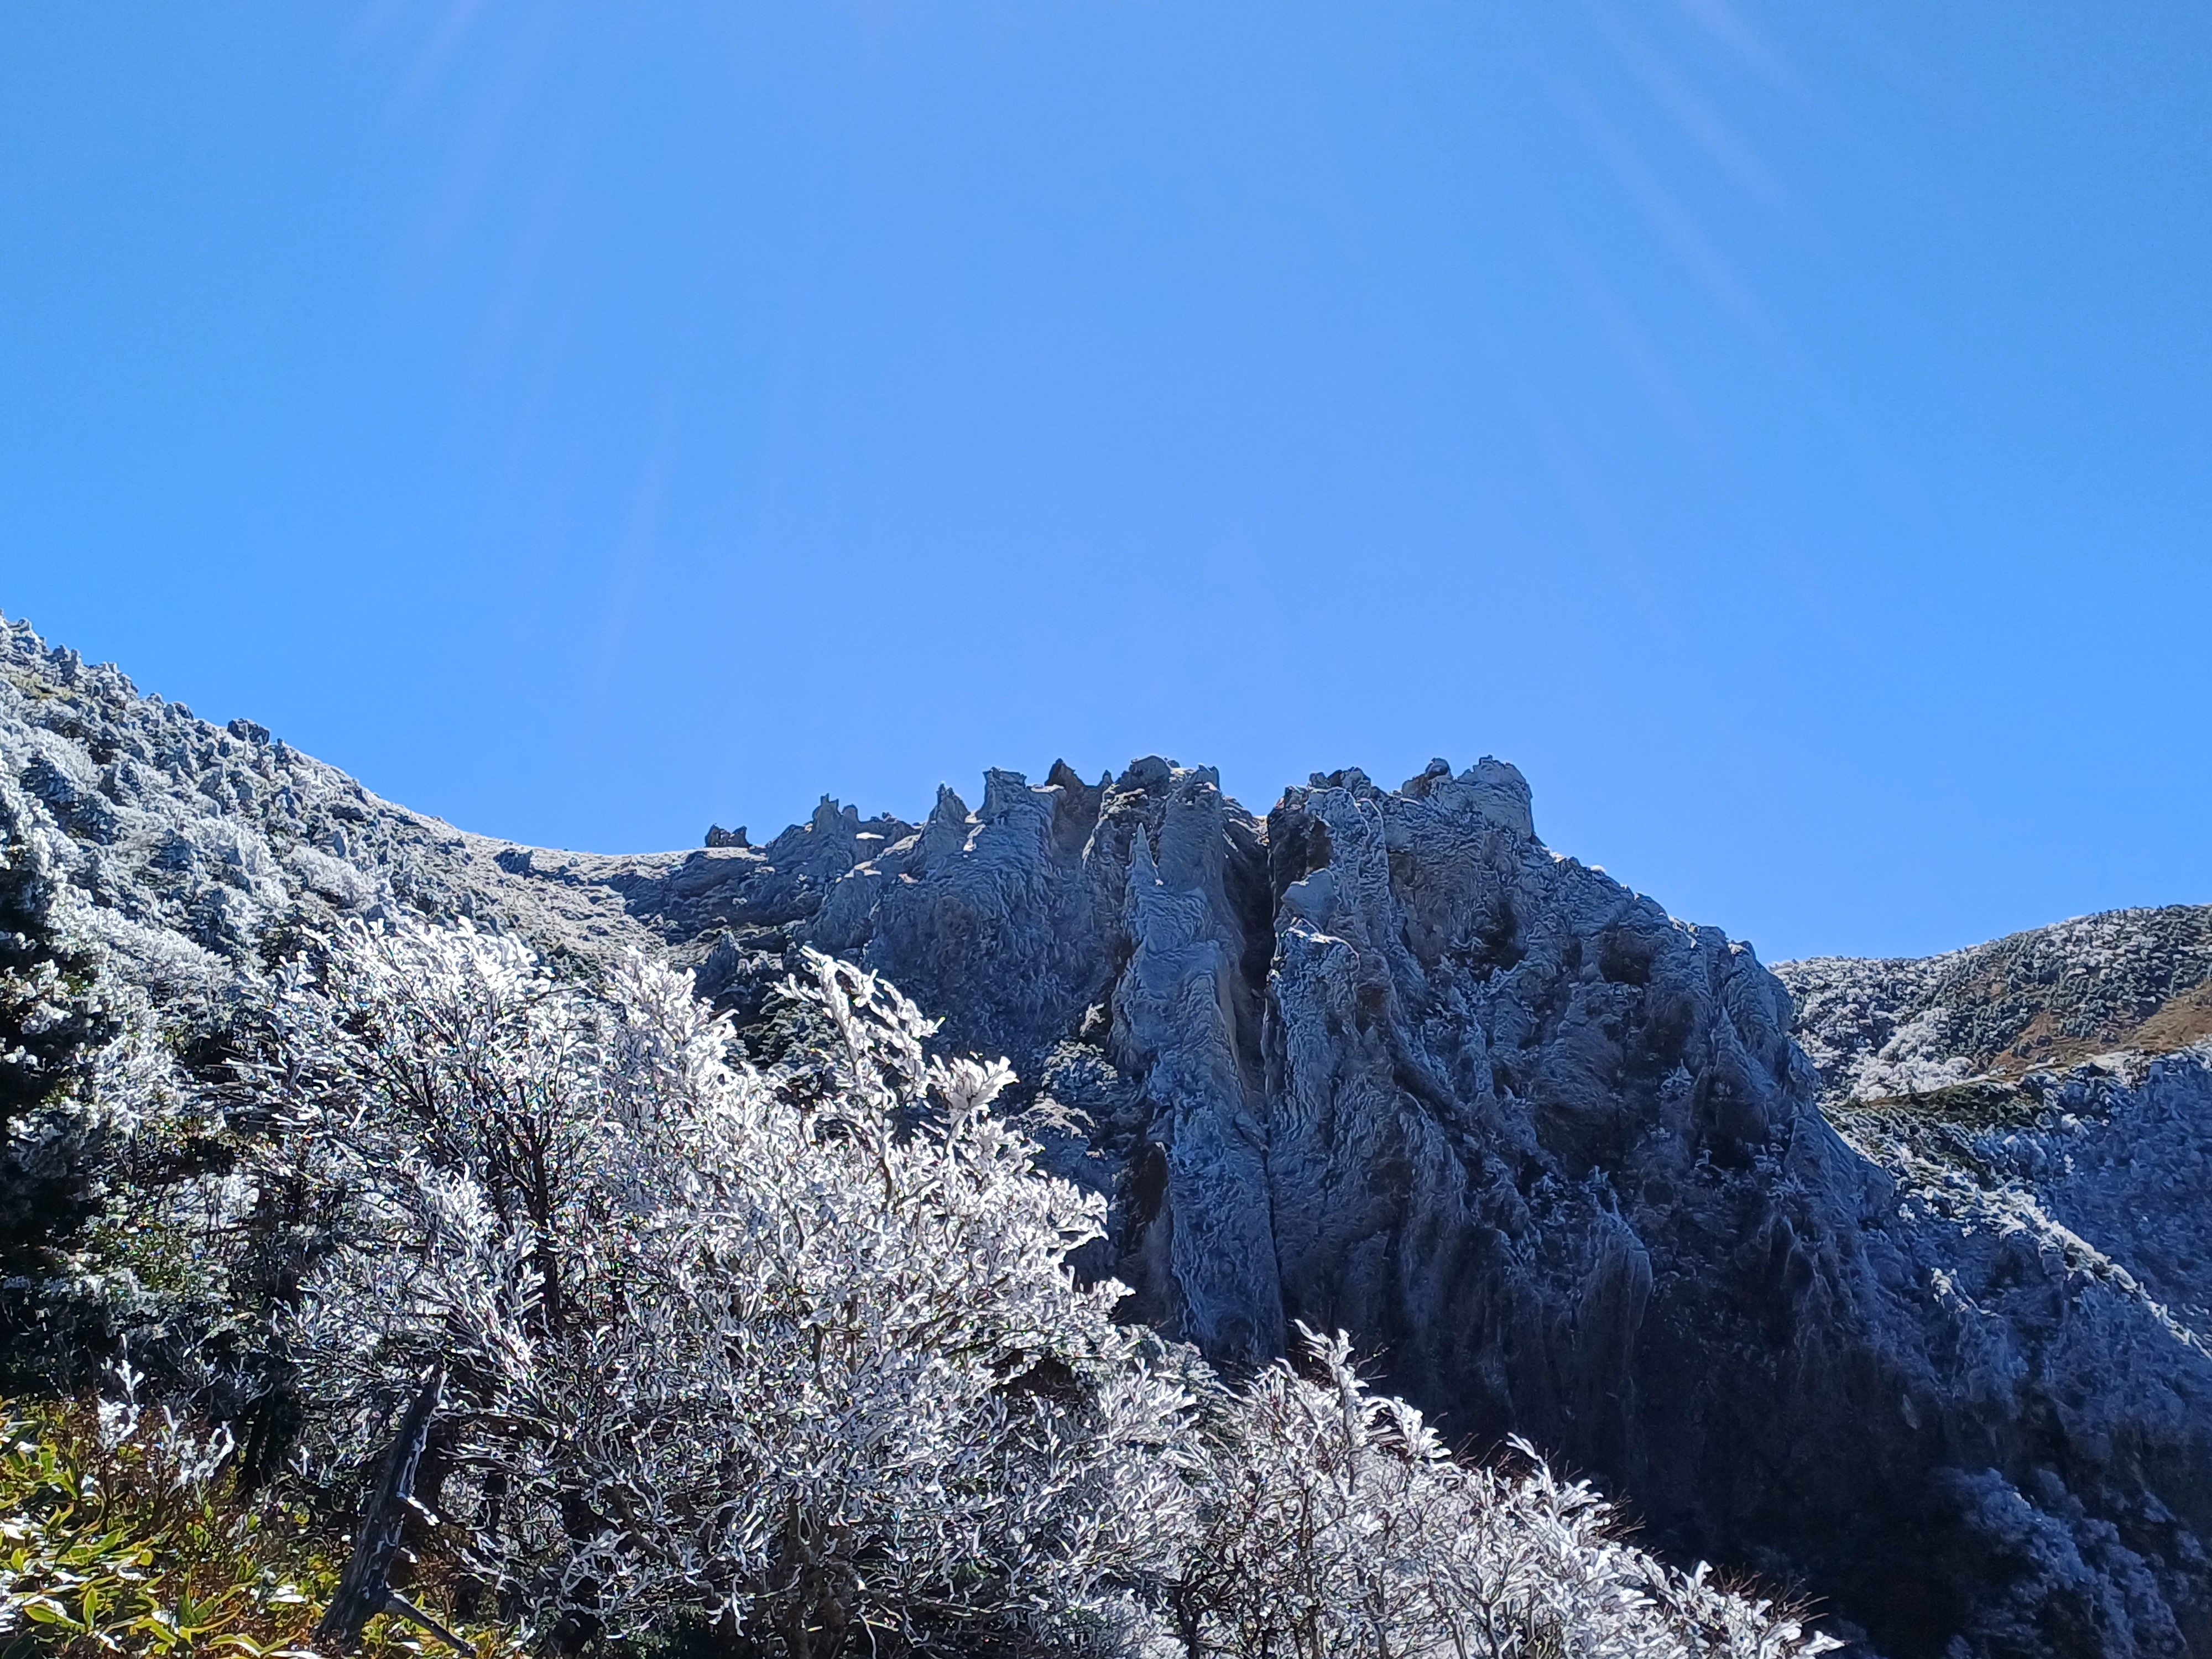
(1382, 1059)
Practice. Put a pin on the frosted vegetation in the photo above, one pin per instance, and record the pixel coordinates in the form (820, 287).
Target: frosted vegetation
(733, 1356)
(791, 1356)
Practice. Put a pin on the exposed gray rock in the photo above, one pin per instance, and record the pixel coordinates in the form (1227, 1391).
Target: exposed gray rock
(1384, 1060)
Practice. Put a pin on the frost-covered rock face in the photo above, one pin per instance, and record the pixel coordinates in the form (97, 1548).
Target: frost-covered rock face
(199, 847)
(1383, 1061)
(2049, 1095)
(2071, 1063)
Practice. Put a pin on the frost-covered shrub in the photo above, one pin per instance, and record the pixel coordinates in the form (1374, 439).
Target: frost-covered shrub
(82, 1068)
(54, 1022)
(715, 1345)
(1334, 1523)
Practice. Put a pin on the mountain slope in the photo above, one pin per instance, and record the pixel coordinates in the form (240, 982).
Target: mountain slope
(1382, 1059)
(2062, 1074)
(2128, 981)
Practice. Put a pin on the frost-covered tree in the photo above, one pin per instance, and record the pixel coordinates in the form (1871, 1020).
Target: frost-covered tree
(82, 1068)
(54, 1021)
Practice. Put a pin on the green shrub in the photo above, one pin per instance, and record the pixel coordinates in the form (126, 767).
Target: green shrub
(118, 1536)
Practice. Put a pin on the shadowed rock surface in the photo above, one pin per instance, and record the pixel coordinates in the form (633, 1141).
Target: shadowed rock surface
(1383, 1061)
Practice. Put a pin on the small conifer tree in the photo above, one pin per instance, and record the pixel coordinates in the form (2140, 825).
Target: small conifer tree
(55, 1019)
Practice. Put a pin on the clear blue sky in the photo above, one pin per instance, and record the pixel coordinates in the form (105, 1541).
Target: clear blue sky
(1783, 429)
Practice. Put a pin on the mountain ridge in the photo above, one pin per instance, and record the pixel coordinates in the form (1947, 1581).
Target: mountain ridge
(2118, 981)
(1573, 1168)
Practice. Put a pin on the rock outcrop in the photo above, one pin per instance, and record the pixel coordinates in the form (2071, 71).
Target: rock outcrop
(1383, 1061)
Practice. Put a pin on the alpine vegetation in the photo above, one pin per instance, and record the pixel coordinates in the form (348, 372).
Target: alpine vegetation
(1336, 1523)
(791, 1356)
(79, 1072)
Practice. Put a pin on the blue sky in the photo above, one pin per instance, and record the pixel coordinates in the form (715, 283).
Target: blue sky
(1784, 430)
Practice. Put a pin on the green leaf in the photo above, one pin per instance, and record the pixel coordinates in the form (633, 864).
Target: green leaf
(45, 1610)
